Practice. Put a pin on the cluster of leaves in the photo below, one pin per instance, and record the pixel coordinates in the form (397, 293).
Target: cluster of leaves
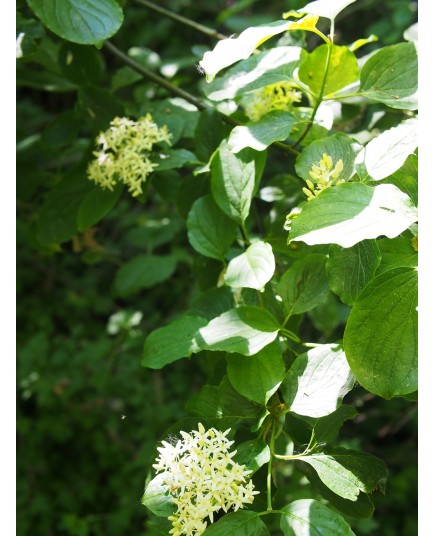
(281, 326)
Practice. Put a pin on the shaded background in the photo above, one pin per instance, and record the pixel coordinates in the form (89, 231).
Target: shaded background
(89, 416)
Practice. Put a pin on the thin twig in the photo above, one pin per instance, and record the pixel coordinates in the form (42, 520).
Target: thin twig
(183, 20)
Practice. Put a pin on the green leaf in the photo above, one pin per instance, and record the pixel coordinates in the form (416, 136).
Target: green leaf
(96, 204)
(229, 51)
(245, 330)
(57, 221)
(253, 454)
(172, 342)
(386, 153)
(380, 338)
(326, 429)
(222, 404)
(348, 472)
(325, 8)
(317, 381)
(274, 126)
(397, 253)
(268, 67)
(157, 497)
(259, 376)
(361, 508)
(213, 302)
(144, 271)
(307, 517)
(80, 64)
(241, 523)
(350, 269)
(209, 133)
(352, 212)
(343, 69)
(338, 147)
(175, 158)
(304, 285)
(391, 76)
(86, 22)
(235, 179)
(210, 231)
(253, 268)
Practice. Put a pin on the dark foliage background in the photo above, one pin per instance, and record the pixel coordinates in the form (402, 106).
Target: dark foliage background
(89, 416)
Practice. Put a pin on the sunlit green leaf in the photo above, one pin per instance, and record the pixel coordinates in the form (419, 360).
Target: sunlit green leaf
(326, 8)
(352, 212)
(253, 268)
(241, 523)
(317, 381)
(253, 454)
(157, 497)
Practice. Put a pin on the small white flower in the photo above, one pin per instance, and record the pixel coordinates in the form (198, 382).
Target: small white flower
(202, 478)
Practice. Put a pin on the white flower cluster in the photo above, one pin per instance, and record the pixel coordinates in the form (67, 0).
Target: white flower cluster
(280, 96)
(202, 478)
(324, 175)
(124, 153)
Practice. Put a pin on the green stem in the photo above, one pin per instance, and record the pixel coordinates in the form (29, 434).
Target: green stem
(346, 96)
(270, 468)
(323, 84)
(292, 457)
(174, 90)
(245, 234)
(290, 335)
(183, 20)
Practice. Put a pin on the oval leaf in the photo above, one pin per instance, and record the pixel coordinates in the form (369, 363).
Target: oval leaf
(338, 147)
(352, 212)
(253, 268)
(245, 330)
(257, 377)
(144, 271)
(350, 269)
(210, 232)
(307, 517)
(274, 126)
(325, 8)
(241, 523)
(81, 21)
(229, 51)
(253, 454)
(386, 153)
(157, 497)
(235, 180)
(317, 381)
(391, 76)
(172, 342)
(380, 338)
(348, 472)
(304, 285)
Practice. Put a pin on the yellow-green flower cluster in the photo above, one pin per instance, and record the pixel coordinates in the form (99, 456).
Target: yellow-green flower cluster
(324, 175)
(124, 153)
(280, 96)
(202, 478)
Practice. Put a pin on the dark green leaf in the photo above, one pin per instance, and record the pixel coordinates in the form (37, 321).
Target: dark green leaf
(350, 269)
(380, 338)
(144, 271)
(257, 377)
(348, 472)
(245, 330)
(235, 179)
(317, 381)
(172, 342)
(209, 133)
(253, 454)
(86, 22)
(81, 65)
(304, 285)
(349, 213)
(397, 252)
(210, 231)
(343, 69)
(390, 76)
(96, 204)
(307, 517)
(174, 158)
(274, 126)
(213, 302)
(241, 523)
(326, 429)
